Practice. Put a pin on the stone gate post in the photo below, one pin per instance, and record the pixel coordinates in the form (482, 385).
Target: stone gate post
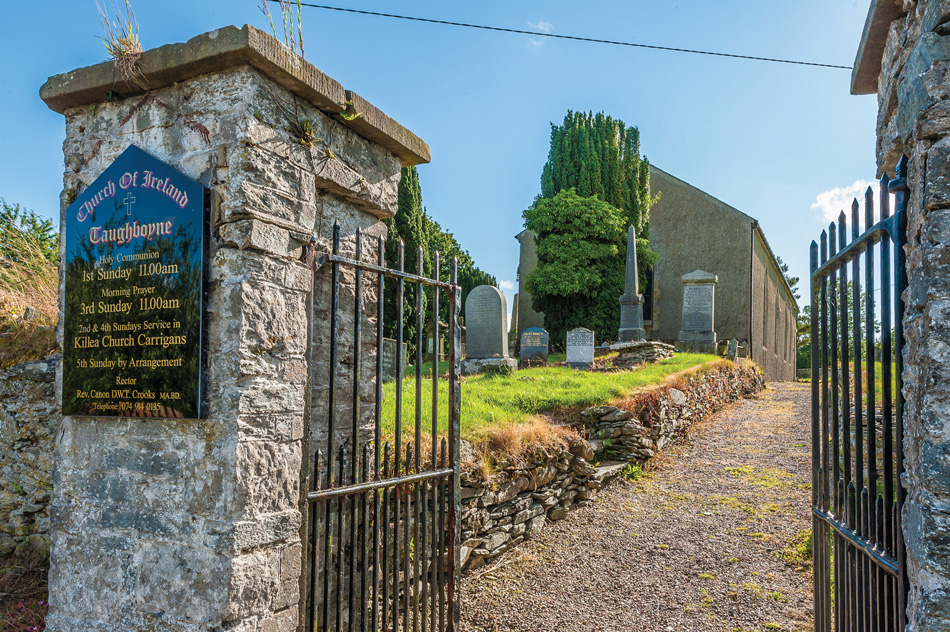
(195, 524)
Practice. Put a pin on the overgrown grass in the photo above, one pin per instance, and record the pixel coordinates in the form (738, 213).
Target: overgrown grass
(29, 286)
(492, 399)
(121, 39)
(500, 414)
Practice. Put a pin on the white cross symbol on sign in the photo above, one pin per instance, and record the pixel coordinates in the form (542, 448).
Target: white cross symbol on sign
(128, 201)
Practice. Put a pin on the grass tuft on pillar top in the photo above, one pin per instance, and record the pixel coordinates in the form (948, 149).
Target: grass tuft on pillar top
(121, 39)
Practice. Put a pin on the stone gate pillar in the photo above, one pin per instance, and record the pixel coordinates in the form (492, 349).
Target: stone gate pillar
(195, 524)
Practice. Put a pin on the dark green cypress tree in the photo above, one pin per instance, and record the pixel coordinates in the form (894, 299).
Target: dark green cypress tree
(597, 156)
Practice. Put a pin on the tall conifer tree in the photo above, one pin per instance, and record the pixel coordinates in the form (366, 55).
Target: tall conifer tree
(591, 156)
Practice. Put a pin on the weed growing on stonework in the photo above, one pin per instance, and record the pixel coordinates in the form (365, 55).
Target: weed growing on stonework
(121, 39)
(632, 472)
(287, 17)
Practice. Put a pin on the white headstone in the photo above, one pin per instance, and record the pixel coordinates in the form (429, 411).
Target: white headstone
(580, 348)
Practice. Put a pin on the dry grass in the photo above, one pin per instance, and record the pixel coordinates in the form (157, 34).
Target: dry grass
(293, 34)
(522, 444)
(23, 592)
(121, 39)
(29, 287)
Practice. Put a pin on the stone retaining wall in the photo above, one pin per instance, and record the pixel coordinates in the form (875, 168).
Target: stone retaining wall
(28, 421)
(514, 505)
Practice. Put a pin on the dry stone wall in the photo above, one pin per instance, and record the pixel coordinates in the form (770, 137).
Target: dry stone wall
(28, 420)
(514, 505)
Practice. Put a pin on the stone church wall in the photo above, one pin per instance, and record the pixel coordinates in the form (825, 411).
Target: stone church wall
(694, 231)
(774, 318)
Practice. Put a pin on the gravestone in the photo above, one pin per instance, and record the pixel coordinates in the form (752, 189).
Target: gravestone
(534, 346)
(698, 334)
(486, 332)
(733, 351)
(631, 303)
(580, 348)
(389, 359)
(132, 307)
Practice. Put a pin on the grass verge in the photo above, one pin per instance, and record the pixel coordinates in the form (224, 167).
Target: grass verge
(501, 415)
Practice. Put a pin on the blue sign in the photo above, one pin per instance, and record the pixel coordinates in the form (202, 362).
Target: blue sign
(133, 296)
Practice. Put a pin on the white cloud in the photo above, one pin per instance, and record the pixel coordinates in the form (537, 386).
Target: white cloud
(506, 285)
(543, 27)
(831, 203)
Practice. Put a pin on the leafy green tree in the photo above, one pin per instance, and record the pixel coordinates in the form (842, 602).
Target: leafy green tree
(579, 276)
(592, 156)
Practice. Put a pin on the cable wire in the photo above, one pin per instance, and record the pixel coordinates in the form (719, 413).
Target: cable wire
(572, 37)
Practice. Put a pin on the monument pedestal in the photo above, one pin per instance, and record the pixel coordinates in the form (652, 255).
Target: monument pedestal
(631, 319)
(699, 299)
(502, 366)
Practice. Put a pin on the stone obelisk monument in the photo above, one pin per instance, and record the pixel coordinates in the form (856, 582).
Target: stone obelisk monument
(631, 303)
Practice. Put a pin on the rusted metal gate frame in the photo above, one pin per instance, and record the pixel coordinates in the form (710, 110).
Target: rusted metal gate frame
(870, 576)
(389, 505)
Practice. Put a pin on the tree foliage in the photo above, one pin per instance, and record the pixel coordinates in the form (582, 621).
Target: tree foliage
(593, 186)
(791, 280)
(416, 229)
(580, 273)
(597, 155)
(19, 226)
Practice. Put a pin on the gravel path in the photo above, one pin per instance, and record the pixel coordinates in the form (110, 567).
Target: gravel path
(704, 541)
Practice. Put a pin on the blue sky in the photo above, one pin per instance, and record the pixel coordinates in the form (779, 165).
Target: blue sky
(770, 139)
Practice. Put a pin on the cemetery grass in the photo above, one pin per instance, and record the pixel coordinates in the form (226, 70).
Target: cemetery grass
(497, 407)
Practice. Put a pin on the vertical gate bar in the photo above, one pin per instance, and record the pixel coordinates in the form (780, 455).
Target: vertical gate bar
(886, 396)
(357, 355)
(815, 436)
(454, 438)
(355, 430)
(420, 341)
(900, 188)
(437, 351)
(340, 548)
(377, 431)
(869, 365)
(314, 542)
(845, 373)
(407, 544)
(858, 404)
(397, 456)
(858, 373)
(334, 319)
(444, 599)
(823, 561)
(869, 493)
(331, 408)
(386, 522)
(835, 383)
(825, 408)
(364, 544)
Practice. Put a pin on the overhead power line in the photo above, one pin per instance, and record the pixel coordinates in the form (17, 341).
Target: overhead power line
(571, 37)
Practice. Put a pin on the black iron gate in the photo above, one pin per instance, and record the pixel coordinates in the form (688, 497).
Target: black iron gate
(857, 414)
(384, 509)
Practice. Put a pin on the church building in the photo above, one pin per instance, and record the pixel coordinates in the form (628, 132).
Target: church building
(691, 230)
